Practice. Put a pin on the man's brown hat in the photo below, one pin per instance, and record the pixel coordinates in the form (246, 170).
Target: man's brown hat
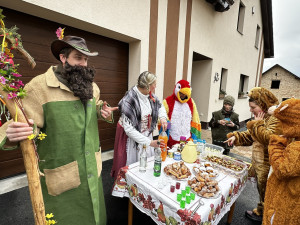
(77, 43)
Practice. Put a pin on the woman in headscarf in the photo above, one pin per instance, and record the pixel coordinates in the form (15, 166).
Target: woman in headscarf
(258, 135)
(140, 111)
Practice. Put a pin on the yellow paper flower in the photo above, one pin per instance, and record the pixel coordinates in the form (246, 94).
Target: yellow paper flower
(48, 216)
(42, 136)
(31, 137)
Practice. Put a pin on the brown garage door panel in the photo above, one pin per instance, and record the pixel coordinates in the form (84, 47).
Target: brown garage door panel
(11, 167)
(9, 155)
(109, 64)
(112, 99)
(111, 70)
(111, 76)
(107, 144)
(107, 133)
(112, 88)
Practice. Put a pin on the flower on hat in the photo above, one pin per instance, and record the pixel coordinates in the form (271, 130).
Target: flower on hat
(60, 33)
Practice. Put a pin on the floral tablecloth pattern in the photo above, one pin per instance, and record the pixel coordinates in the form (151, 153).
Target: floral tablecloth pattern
(162, 206)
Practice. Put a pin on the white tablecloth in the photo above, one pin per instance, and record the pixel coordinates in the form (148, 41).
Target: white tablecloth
(161, 205)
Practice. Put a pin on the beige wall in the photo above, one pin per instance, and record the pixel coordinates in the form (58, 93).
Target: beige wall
(289, 84)
(111, 18)
(215, 35)
(199, 80)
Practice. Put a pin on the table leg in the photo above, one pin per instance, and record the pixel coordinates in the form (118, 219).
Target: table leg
(130, 212)
(230, 215)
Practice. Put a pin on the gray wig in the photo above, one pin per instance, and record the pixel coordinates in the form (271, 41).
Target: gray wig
(146, 79)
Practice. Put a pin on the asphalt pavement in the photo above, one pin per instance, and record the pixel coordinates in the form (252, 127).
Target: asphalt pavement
(15, 206)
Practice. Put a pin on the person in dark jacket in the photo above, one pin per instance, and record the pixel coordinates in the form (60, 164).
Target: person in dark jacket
(223, 122)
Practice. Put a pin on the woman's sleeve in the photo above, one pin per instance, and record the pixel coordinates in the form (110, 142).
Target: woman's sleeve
(134, 133)
(284, 158)
(242, 138)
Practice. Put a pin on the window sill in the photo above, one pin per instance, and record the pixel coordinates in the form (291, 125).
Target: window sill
(242, 97)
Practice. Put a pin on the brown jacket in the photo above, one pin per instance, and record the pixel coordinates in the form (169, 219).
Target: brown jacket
(282, 197)
(258, 134)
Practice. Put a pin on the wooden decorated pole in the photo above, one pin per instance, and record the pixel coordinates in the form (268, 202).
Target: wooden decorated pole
(31, 166)
(27, 146)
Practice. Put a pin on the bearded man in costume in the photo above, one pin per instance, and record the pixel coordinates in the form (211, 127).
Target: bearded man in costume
(182, 113)
(65, 104)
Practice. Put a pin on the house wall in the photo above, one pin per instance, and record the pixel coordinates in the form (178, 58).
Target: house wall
(211, 33)
(215, 35)
(289, 84)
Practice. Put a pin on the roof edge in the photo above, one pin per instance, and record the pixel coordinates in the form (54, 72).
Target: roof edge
(267, 20)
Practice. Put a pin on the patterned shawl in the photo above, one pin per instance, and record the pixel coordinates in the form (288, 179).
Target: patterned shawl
(130, 106)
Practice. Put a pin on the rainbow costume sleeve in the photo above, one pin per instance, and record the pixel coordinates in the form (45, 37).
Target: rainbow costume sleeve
(195, 123)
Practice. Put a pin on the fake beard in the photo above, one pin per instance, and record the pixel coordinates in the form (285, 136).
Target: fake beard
(80, 80)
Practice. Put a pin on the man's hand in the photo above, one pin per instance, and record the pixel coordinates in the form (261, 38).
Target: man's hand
(230, 141)
(17, 131)
(260, 116)
(106, 110)
(164, 124)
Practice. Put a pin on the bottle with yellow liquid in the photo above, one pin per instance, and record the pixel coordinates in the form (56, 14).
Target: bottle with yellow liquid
(163, 138)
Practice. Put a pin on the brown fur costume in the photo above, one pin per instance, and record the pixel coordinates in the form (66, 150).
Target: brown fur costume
(258, 135)
(282, 200)
(263, 97)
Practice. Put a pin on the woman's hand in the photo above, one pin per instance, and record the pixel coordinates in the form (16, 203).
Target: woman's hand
(259, 116)
(230, 141)
(157, 144)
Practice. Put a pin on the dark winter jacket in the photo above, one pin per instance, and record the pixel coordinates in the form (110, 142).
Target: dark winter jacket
(219, 131)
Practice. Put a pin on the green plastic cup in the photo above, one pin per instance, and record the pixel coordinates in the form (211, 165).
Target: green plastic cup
(188, 199)
(192, 196)
(183, 192)
(182, 204)
(179, 196)
(188, 189)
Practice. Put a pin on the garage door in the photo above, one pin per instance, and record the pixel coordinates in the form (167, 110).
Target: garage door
(111, 66)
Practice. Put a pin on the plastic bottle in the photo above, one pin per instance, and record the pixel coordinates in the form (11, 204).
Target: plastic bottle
(157, 162)
(204, 145)
(163, 138)
(199, 146)
(143, 160)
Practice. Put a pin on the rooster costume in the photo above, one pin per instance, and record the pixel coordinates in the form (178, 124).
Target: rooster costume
(183, 114)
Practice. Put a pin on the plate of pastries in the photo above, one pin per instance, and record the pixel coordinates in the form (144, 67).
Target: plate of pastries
(178, 171)
(204, 186)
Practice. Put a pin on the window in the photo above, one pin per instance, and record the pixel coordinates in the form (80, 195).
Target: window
(243, 86)
(223, 81)
(257, 36)
(275, 84)
(240, 24)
